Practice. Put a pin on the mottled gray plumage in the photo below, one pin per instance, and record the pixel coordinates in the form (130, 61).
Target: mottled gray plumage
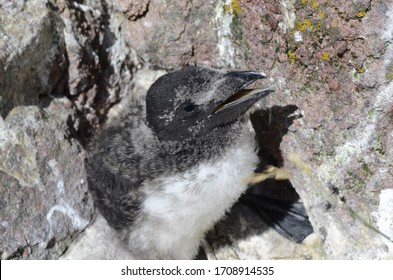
(157, 175)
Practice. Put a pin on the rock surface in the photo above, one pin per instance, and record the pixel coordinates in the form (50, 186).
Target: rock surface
(340, 150)
(44, 198)
(99, 232)
(330, 121)
(32, 53)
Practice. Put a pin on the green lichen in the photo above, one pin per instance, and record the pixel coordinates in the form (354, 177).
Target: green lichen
(356, 182)
(247, 53)
(366, 170)
(234, 9)
(370, 115)
(236, 27)
(378, 147)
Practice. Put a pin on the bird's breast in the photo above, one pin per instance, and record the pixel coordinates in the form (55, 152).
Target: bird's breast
(178, 209)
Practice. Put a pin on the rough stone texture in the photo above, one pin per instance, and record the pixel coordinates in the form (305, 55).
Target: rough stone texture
(99, 232)
(43, 191)
(331, 62)
(44, 201)
(175, 33)
(101, 63)
(134, 10)
(32, 53)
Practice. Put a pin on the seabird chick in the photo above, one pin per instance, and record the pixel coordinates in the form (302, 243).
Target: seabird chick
(169, 169)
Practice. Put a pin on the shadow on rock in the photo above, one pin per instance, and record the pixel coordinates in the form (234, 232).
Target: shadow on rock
(270, 203)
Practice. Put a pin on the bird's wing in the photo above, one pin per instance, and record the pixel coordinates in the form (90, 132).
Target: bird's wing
(115, 196)
(287, 218)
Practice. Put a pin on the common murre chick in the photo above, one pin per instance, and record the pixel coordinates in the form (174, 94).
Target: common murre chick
(169, 170)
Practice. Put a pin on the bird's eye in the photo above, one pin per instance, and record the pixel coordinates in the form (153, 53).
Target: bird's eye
(190, 108)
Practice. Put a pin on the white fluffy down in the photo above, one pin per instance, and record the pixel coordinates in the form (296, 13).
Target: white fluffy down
(179, 209)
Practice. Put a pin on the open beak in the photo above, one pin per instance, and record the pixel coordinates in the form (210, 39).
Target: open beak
(244, 98)
(237, 99)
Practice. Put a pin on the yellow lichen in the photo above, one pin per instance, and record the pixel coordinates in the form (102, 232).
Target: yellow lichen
(314, 4)
(227, 9)
(325, 56)
(304, 2)
(303, 25)
(233, 8)
(236, 7)
(321, 14)
(361, 14)
(291, 56)
(389, 76)
(360, 70)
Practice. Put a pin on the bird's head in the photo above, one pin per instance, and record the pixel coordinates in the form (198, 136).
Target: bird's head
(195, 101)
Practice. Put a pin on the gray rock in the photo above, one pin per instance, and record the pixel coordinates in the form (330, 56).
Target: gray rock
(32, 53)
(175, 33)
(44, 201)
(98, 242)
(101, 64)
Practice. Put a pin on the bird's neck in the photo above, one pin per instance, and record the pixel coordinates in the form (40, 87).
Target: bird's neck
(185, 154)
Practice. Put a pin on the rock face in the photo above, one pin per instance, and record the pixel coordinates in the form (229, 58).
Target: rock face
(44, 202)
(65, 64)
(32, 53)
(44, 197)
(340, 150)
